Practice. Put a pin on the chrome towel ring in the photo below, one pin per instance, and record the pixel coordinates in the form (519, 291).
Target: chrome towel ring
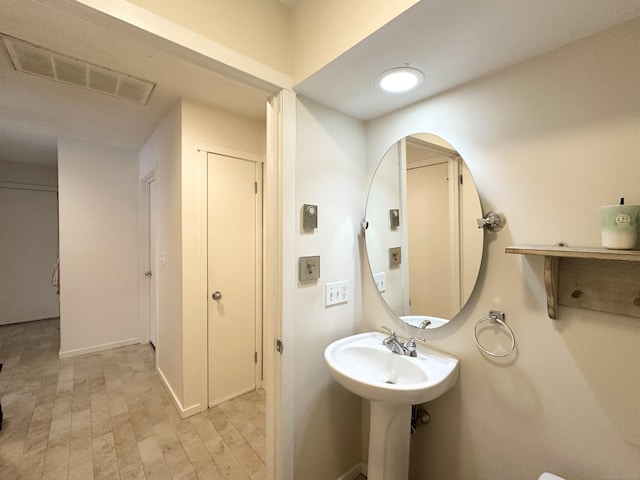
(495, 317)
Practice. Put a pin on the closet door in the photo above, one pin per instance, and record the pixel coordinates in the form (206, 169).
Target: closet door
(233, 244)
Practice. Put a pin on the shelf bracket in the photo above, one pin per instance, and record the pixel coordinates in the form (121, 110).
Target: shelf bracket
(591, 278)
(551, 273)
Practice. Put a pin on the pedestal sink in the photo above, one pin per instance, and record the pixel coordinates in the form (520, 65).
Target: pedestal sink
(393, 383)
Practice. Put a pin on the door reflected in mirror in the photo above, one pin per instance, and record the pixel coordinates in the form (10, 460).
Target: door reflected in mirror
(423, 243)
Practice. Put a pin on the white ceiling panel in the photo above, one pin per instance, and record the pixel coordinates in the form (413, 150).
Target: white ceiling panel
(453, 42)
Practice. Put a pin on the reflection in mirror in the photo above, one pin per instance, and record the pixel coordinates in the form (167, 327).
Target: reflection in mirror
(423, 243)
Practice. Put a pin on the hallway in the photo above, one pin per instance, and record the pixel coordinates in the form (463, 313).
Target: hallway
(107, 416)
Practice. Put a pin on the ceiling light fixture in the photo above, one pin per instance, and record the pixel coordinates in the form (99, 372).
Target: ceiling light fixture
(401, 79)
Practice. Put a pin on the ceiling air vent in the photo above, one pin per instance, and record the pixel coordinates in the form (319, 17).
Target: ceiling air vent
(30, 58)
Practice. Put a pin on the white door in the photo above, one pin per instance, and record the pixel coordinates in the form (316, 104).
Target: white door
(151, 271)
(429, 241)
(233, 246)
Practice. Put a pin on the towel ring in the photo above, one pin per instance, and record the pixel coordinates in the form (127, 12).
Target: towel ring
(495, 317)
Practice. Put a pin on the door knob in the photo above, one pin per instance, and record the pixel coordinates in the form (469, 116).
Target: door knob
(216, 295)
(147, 273)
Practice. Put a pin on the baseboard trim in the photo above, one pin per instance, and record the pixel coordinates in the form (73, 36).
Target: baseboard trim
(226, 398)
(183, 412)
(353, 473)
(98, 348)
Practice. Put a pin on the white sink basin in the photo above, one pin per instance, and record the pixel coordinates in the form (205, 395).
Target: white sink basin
(361, 364)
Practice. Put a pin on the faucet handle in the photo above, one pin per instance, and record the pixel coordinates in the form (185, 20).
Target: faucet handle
(392, 338)
(411, 346)
(388, 330)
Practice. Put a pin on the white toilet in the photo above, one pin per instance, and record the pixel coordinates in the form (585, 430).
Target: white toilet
(549, 476)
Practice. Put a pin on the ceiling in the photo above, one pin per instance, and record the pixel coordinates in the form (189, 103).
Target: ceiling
(451, 41)
(35, 111)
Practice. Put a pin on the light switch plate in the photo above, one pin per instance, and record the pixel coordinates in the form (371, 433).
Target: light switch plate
(380, 281)
(309, 268)
(336, 292)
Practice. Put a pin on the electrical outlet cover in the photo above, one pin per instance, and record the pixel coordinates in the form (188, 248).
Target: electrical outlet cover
(395, 256)
(309, 268)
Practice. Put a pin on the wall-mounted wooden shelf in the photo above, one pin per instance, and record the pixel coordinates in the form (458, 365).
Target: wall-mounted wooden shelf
(592, 278)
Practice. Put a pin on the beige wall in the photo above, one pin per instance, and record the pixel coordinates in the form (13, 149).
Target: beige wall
(296, 41)
(203, 127)
(18, 172)
(323, 30)
(181, 188)
(548, 142)
(98, 202)
(258, 29)
(329, 165)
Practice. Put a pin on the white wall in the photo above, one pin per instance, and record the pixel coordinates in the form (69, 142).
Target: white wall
(380, 236)
(329, 173)
(548, 142)
(162, 152)
(98, 202)
(28, 242)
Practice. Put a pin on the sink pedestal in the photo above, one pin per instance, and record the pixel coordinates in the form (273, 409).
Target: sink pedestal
(389, 441)
(392, 383)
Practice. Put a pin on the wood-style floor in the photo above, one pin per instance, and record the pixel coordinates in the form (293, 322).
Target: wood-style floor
(107, 416)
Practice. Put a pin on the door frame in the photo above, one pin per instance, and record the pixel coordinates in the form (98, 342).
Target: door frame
(280, 283)
(145, 233)
(279, 276)
(258, 160)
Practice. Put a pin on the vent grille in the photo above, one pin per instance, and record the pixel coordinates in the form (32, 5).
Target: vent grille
(30, 58)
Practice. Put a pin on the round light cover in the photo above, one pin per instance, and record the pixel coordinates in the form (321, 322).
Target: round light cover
(401, 79)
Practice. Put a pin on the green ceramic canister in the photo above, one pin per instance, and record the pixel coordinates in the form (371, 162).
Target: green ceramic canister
(620, 226)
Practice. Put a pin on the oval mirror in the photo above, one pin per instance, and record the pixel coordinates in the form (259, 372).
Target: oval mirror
(422, 240)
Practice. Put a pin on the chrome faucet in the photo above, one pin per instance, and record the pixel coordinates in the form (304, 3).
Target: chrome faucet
(425, 323)
(397, 345)
(393, 343)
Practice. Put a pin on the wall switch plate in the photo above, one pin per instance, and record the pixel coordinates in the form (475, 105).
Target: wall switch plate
(395, 257)
(381, 281)
(336, 292)
(309, 216)
(309, 268)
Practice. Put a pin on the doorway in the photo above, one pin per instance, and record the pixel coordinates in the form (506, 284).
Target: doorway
(234, 273)
(149, 305)
(28, 252)
(149, 273)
